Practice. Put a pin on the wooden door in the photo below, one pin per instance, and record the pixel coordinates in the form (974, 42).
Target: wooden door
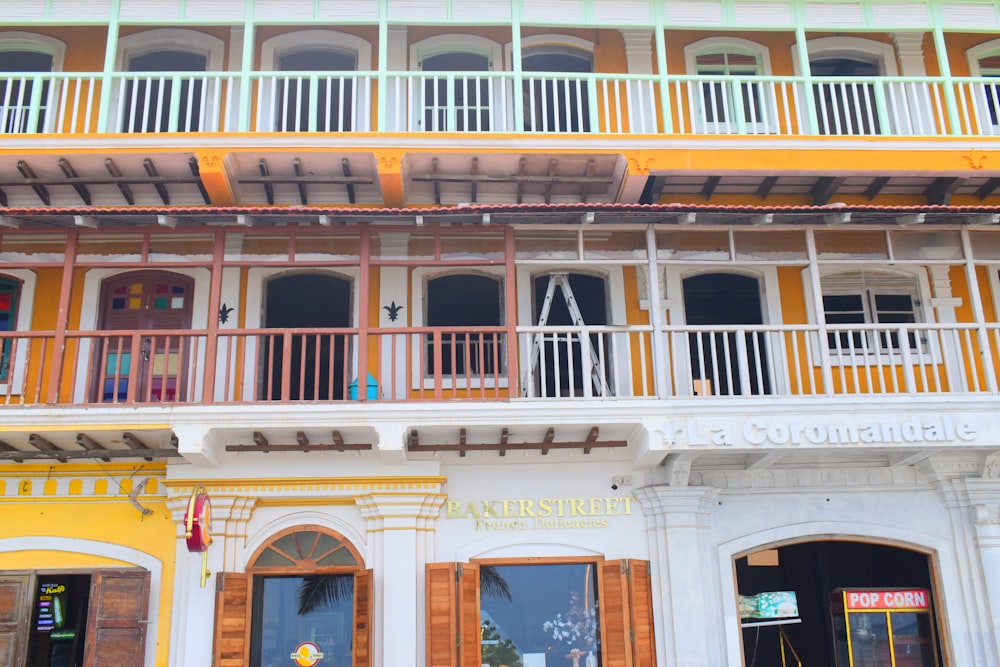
(156, 364)
(232, 614)
(117, 620)
(15, 612)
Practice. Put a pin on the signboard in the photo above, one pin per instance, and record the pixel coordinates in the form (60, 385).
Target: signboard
(198, 521)
(894, 600)
(51, 606)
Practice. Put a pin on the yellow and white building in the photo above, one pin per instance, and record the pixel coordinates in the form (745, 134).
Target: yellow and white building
(554, 333)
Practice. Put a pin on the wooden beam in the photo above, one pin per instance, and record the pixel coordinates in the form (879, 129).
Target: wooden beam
(765, 187)
(987, 188)
(303, 194)
(940, 191)
(824, 188)
(504, 437)
(345, 167)
(69, 172)
(13, 452)
(265, 174)
(132, 442)
(344, 447)
(259, 439)
(161, 189)
(89, 443)
(550, 435)
(31, 179)
(553, 164)
(123, 188)
(63, 455)
(196, 171)
(40, 443)
(875, 187)
(711, 183)
(300, 437)
(338, 439)
(591, 437)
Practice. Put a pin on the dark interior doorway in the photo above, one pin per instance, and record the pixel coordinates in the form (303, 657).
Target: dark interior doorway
(464, 300)
(334, 96)
(813, 571)
(318, 363)
(557, 104)
(148, 99)
(559, 368)
(725, 300)
(59, 620)
(16, 91)
(845, 107)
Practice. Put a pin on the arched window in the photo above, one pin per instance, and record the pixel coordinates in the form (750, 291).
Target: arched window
(334, 99)
(167, 90)
(554, 99)
(308, 593)
(984, 61)
(23, 107)
(471, 301)
(728, 103)
(847, 101)
(456, 96)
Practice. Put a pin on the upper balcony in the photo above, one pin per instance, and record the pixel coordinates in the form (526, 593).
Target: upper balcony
(531, 306)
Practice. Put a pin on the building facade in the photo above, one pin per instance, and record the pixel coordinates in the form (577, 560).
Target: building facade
(569, 333)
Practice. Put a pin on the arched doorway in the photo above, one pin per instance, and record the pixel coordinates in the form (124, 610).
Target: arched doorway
(156, 364)
(844, 105)
(722, 362)
(471, 109)
(560, 365)
(16, 91)
(556, 103)
(318, 361)
(305, 592)
(819, 573)
(465, 300)
(334, 94)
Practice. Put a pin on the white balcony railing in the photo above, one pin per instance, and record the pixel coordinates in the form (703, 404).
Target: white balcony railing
(494, 102)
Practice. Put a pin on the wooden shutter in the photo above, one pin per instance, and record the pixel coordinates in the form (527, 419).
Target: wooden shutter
(362, 653)
(441, 617)
(117, 620)
(232, 597)
(641, 600)
(15, 615)
(626, 614)
(452, 595)
(470, 646)
(616, 646)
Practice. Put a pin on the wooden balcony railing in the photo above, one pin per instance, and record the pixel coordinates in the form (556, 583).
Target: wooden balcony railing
(497, 102)
(480, 364)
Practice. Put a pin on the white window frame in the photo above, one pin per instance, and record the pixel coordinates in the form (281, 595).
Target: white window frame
(696, 104)
(18, 40)
(271, 50)
(18, 363)
(441, 44)
(419, 299)
(922, 313)
(172, 39)
(980, 97)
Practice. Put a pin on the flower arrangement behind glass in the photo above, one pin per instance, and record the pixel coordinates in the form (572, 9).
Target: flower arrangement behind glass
(578, 627)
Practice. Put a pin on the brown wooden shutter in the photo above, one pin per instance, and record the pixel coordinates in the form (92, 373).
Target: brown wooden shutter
(232, 597)
(441, 616)
(616, 645)
(117, 620)
(641, 600)
(470, 647)
(362, 653)
(15, 615)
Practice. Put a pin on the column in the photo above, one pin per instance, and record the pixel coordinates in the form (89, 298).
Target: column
(400, 527)
(684, 576)
(984, 496)
(192, 626)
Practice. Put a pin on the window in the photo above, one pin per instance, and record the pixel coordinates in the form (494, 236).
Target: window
(334, 99)
(469, 301)
(868, 298)
(556, 102)
(727, 102)
(844, 104)
(26, 95)
(984, 62)
(168, 89)
(544, 614)
(458, 93)
(306, 586)
(10, 290)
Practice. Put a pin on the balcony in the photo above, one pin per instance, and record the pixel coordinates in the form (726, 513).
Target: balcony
(413, 364)
(497, 102)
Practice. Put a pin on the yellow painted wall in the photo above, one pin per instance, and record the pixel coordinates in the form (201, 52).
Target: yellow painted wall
(107, 518)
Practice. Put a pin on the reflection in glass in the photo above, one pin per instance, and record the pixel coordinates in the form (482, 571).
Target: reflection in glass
(550, 617)
(291, 610)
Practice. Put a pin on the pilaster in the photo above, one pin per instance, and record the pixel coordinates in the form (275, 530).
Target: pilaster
(400, 527)
(681, 557)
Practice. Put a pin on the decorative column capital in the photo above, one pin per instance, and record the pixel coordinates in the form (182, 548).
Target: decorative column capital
(677, 506)
(400, 510)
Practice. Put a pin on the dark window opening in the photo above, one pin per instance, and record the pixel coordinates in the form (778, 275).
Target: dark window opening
(470, 108)
(845, 107)
(465, 300)
(318, 361)
(17, 88)
(557, 358)
(726, 300)
(332, 99)
(556, 103)
(724, 101)
(147, 102)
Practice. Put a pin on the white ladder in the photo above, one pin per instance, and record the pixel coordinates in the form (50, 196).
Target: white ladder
(561, 280)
